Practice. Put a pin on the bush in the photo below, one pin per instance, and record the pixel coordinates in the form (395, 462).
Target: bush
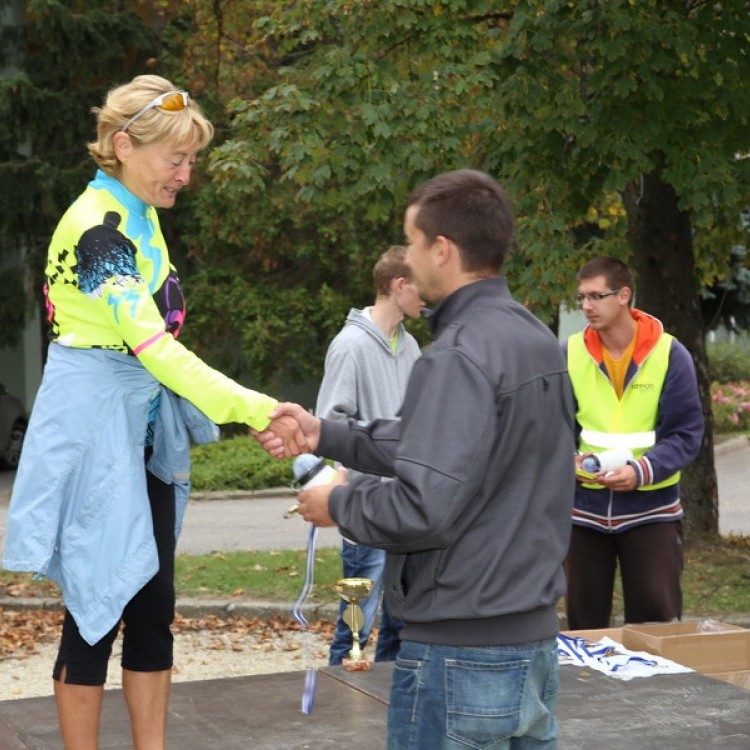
(729, 362)
(731, 406)
(237, 463)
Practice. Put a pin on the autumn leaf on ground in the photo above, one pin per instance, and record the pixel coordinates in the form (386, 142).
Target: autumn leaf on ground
(21, 631)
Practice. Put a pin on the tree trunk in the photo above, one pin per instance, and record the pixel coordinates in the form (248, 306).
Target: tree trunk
(660, 237)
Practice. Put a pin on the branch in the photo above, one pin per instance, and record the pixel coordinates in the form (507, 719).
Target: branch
(492, 17)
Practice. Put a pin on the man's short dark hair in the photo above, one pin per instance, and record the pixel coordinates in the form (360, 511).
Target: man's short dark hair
(616, 273)
(389, 266)
(471, 209)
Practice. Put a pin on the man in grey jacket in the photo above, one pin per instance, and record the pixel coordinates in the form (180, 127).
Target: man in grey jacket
(367, 366)
(476, 522)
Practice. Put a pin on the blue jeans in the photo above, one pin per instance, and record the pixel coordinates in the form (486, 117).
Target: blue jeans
(359, 561)
(459, 697)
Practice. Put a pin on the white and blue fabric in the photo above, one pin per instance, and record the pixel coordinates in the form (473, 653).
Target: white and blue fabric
(612, 658)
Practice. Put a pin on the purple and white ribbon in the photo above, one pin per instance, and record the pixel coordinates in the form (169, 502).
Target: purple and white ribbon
(311, 675)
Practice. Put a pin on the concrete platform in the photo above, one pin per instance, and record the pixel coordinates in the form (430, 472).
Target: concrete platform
(261, 712)
(687, 711)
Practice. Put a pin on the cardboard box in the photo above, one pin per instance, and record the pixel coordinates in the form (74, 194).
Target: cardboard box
(707, 646)
(740, 678)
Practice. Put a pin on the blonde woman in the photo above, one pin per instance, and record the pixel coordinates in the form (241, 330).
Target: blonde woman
(102, 485)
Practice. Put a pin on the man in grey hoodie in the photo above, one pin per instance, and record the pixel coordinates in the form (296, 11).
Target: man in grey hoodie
(367, 367)
(476, 521)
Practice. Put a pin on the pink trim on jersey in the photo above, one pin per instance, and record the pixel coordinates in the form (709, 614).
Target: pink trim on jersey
(148, 342)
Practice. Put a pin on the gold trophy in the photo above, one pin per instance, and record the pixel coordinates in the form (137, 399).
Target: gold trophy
(353, 591)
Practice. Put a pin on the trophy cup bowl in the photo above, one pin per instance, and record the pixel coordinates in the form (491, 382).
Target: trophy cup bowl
(353, 591)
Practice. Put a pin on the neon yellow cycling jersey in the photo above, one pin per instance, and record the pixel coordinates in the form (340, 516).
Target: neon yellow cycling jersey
(110, 285)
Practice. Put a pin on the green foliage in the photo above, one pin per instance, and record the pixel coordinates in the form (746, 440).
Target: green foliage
(278, 269)
(729, 362)
(730, 387)
(280, 284)
(265, 335)
(567, 103)
(237, 463)
(329, 112)
(594, 98)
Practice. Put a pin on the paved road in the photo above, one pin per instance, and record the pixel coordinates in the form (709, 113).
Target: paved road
(239, 522)
(733, 472)
(257, 522)
(245, 524)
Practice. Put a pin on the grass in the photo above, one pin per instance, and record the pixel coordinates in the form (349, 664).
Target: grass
(717, 576)
(269, 576)
(716, 581)
(275, 576)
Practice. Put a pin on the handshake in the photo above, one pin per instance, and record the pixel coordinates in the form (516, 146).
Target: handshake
(292, 431)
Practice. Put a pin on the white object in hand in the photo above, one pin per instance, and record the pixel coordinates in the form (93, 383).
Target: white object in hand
(311, 471)
(607, 461)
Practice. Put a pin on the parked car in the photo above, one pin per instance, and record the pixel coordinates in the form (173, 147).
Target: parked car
(12, 429)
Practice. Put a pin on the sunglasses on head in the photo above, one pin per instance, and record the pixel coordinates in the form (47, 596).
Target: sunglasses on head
(170, 101)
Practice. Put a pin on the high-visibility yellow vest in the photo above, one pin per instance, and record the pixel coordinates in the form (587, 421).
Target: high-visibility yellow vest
(608, 422)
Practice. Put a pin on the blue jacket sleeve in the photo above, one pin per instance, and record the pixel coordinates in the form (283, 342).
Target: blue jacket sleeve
(679, 429)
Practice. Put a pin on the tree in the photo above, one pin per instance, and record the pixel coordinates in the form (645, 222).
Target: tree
(278, 272)
(568, 103)
(651, 102)
(617, 127)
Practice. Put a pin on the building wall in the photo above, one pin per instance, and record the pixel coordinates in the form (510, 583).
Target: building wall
(571, 321)
(21, 366)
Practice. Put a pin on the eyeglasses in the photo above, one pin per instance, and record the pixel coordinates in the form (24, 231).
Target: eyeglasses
(170, 101)
(596, 296)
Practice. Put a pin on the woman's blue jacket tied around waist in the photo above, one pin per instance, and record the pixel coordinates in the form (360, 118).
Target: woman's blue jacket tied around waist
(79, 511)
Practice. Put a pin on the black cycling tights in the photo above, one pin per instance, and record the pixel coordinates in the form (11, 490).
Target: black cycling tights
(147, 639)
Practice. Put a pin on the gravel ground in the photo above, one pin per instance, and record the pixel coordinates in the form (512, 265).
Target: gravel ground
(239, 646)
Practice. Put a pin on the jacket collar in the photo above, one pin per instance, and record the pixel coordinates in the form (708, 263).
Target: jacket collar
(647, 334)
(133, 203)
(489, 290)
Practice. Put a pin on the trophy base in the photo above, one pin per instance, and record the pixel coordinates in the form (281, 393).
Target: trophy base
(356, 665)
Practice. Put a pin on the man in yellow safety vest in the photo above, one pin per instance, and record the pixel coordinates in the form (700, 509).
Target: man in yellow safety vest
(636, 393)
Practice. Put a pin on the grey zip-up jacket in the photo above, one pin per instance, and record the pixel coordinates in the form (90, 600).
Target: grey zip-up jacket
(364, 378)
(477, 521)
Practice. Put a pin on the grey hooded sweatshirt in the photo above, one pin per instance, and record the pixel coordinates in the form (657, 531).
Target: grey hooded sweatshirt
(364, 379)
